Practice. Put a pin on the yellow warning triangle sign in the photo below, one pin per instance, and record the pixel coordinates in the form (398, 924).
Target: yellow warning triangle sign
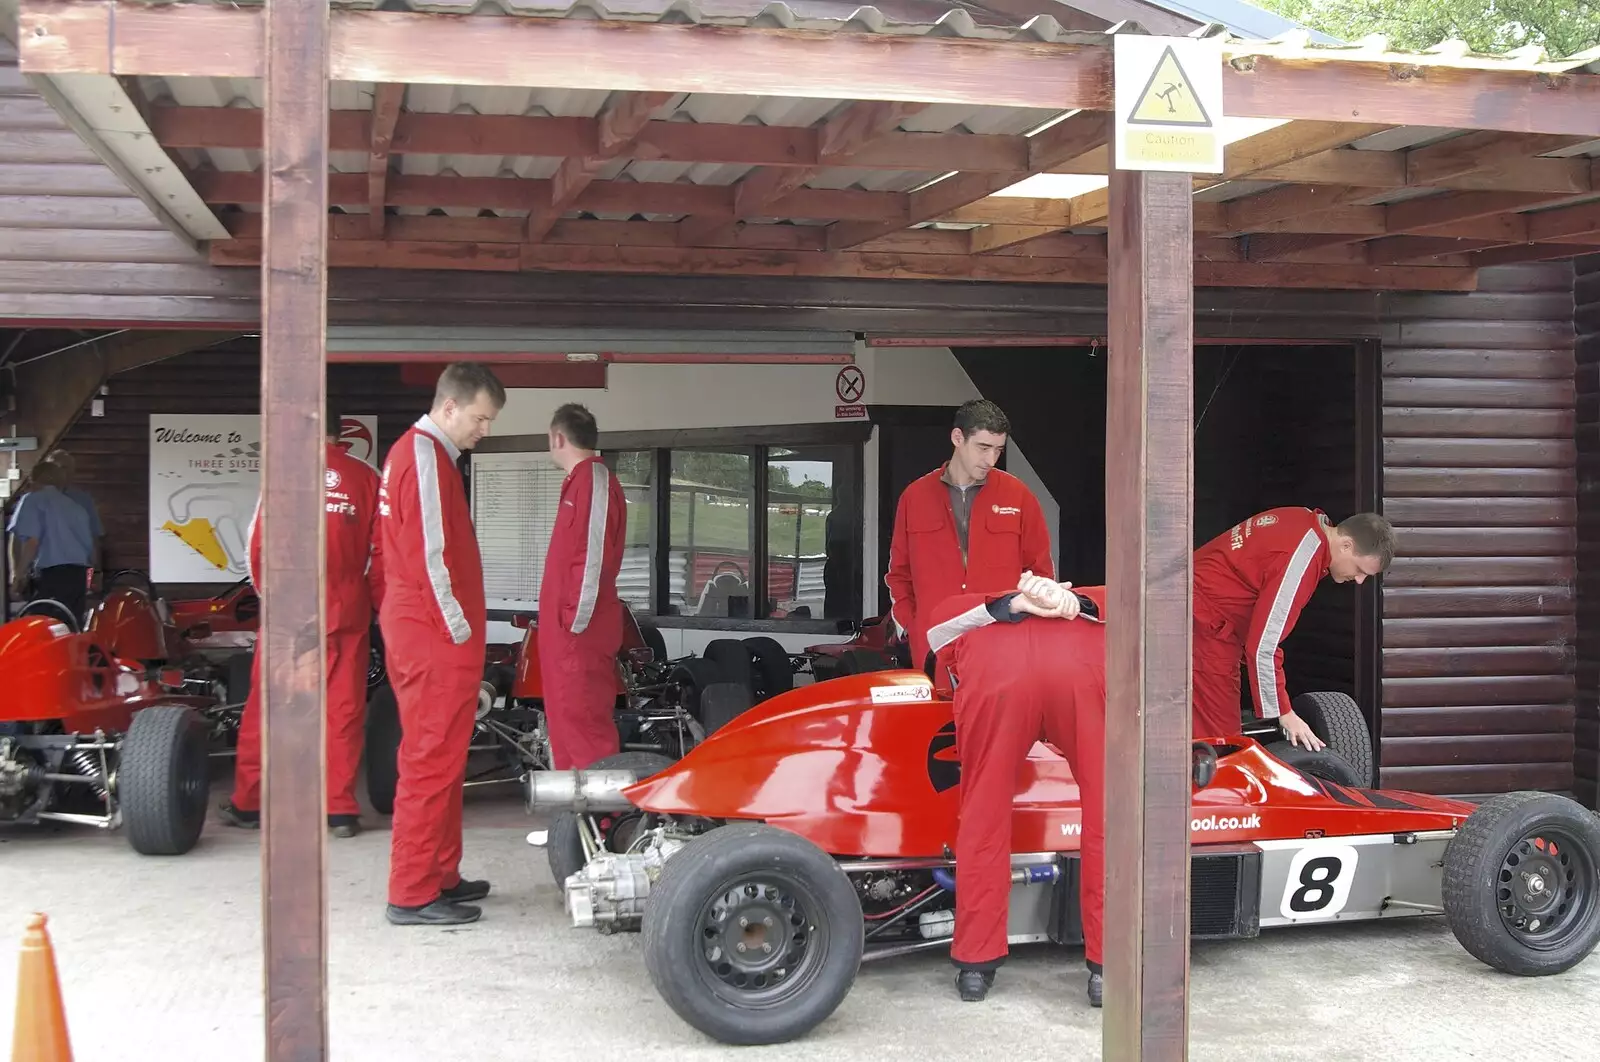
(1168, 98)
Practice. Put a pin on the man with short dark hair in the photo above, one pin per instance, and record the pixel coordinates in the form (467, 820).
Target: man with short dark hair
(966, 527)
(580, 614)
(433, 618)
(52, 542)
(1250, 583)
(69, 469)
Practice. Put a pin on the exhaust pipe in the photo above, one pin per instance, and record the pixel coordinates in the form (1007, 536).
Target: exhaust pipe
(579, 790)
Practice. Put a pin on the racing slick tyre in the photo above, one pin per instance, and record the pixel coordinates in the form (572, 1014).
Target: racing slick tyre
(1321, 763)
(1338, 721)
(691, 676)
(864, 661)
(383, 749)
(163, 775)
(565, 846)
(50, 608)
(377, 668)
(721, 703)
(1520, 883)
(753, 935)
(774, 672)
(655, 640)
(732, 661)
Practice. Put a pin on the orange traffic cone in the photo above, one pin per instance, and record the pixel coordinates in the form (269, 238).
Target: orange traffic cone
(41, 1029)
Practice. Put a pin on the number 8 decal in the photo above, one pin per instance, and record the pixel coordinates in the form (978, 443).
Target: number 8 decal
(1319, 882)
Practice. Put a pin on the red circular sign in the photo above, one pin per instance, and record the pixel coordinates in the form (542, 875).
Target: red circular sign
(851, 384)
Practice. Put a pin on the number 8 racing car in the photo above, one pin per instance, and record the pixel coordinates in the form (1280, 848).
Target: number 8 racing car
(815, 831)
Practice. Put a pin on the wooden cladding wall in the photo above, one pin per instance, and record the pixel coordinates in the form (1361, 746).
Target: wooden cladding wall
(1480, 476)
(113, 451)
(1586, 761)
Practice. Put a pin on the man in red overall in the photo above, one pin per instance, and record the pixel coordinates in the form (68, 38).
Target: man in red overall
(433, 621)
(354, 566)
(1019, 681)
(965, 528)
(1250, 583)
(580, 614)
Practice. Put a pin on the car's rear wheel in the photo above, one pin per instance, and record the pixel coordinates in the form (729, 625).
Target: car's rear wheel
(655, 640)
(383, 749)
(1337, 720)
(1320, 763)
(773, 670)
(163, 774)
(690, 677)
(1520, 884)
(753, 935)
(864, 661)
(732, 661)
(721, 703)
(565, 845)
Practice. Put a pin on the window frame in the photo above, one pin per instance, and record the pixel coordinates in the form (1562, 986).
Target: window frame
(757, 441)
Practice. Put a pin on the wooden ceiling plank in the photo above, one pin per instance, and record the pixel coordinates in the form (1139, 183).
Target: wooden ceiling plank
(386, 101)
(1476, 152)
(625, 116)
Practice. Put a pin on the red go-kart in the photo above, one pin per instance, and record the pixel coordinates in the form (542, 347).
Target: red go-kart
(93, 738)
(814, 832)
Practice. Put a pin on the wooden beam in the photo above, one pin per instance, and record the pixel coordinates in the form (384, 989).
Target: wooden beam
(1069, 138)
(294, 307)
(1392, 250)
(81, 36)
(386, 101)
(625, 116)
(841, 135)
(499, 135)
(1075, 264)
(1564, 222)
(1529, 252)
(1424, 216)
(1149, 496)
(1475, 153)
(1250, 213)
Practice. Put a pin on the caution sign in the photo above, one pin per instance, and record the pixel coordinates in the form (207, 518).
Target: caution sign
(1168, 104)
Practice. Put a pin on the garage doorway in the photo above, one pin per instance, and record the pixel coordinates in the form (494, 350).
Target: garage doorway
(1274, 425)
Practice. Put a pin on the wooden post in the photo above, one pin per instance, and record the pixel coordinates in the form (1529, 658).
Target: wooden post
(293, 397)
(1149, 565)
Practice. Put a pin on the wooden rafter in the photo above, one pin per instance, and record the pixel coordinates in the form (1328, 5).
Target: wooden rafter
(840, 136)
(624, 118)
(386, 101)
(1069, 138)
(1476, 153)
(1076, 269)
(204, 40)
(1241, 159)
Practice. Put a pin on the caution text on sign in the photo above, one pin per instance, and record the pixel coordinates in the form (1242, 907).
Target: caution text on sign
(1168, 104)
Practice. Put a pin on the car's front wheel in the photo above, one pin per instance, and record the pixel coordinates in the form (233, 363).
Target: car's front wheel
(753, 935)
(162, 776)
(1521, 889)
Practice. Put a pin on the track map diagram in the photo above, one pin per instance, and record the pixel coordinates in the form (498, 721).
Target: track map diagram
(205, 476)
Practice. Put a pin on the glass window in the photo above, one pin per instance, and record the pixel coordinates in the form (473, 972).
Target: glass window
(710, 531)
(811, 533)
(635, 470)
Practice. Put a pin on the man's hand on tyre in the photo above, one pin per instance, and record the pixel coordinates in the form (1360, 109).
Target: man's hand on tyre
(1299, 733)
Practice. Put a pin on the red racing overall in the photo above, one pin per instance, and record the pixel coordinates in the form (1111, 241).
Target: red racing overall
(433, 620)
(580, 617)
(1006, 536)
(354, 565)
(1019, 680)
(1250, 583)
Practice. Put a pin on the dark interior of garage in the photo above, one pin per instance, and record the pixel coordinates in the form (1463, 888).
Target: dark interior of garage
(1275, 425)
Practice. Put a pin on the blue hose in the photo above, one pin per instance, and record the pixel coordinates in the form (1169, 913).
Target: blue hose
(944, 879)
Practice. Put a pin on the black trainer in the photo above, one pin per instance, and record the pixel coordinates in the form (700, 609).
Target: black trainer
(974, 984)
(1097, 987)
(440, 912)
(344, 825)
(466, 891)
(232, 816)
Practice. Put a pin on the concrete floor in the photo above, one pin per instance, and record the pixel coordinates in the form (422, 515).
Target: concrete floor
(160, 958)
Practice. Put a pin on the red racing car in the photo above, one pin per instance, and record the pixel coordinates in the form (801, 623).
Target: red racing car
(813, 832)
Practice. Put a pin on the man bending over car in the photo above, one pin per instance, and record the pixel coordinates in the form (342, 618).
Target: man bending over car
(1250, 583)
(1021, 680)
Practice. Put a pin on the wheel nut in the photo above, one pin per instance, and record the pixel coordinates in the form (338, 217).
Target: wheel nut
(767, 921)
(739, 947)
(767, 948)
(744, 923)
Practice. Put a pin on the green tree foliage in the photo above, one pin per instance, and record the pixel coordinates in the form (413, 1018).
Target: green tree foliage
(1561, 27)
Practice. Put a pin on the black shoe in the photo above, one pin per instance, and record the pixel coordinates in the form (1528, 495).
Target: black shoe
(440, 912)
(974, 984)
(466, 891)
(232, 816)
(1097, 987)
(344, 825)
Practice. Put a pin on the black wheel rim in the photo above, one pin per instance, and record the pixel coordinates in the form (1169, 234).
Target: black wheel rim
(761, 939)
(194, 773)
(1545, 888)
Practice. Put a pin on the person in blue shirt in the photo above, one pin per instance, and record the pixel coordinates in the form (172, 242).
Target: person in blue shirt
(52, 542)
(69, 468)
